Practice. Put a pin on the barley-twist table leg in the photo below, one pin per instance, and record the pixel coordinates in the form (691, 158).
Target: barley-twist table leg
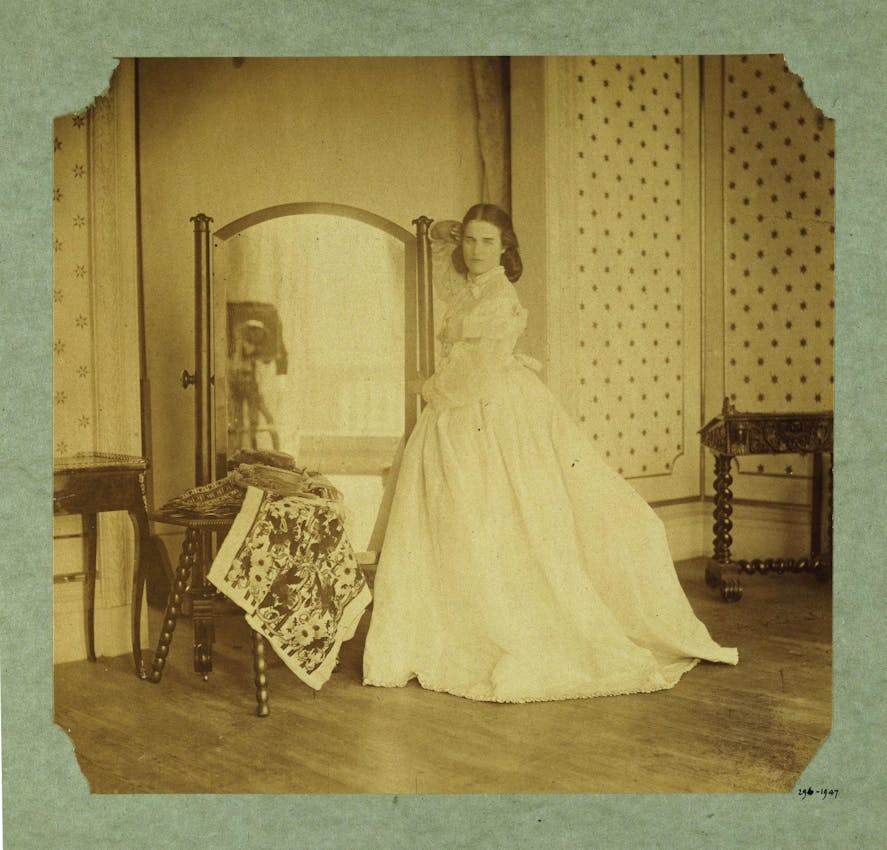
(187, 558)
(731, 589)
(262, 709)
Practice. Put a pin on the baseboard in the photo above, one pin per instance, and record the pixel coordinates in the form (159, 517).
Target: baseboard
(763, 530)
(112, 626)
(685, 526)
(770, 531)
(759, 531)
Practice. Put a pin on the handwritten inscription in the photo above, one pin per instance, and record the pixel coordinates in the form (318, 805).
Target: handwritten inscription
(821, 793)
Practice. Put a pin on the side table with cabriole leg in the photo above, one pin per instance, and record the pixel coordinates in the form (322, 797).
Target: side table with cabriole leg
(733, 434)
(92, 483)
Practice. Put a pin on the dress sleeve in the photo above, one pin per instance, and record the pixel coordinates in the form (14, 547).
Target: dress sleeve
(495, 318)
(476, 363)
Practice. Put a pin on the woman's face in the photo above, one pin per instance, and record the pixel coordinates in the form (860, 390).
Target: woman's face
(481, 246)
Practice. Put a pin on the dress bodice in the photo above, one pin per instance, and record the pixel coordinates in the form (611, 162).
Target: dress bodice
(485, 308)
(482, 323)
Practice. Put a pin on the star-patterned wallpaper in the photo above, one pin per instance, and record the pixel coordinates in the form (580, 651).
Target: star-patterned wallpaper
(629, 303)
(779, 224)
(73, 349)
(620, 311)
(96, 386)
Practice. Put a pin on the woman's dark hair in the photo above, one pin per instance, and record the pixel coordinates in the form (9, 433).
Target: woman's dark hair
(492, 214)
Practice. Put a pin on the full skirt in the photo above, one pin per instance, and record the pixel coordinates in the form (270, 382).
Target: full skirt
(517, 566)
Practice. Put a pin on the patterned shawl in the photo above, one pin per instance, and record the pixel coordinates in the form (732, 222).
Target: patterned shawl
(287, 563)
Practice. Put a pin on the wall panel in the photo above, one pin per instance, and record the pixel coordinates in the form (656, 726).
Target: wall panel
(778, 222)
(625, 310)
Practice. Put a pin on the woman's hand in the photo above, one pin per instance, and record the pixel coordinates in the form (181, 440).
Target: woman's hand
(448, 231)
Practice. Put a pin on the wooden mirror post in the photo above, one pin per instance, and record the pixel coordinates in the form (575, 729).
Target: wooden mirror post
(201, 592)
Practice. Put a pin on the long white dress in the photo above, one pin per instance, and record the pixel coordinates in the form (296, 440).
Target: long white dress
(517, 566)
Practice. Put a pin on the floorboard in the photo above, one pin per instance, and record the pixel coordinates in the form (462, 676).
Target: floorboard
(750, 728)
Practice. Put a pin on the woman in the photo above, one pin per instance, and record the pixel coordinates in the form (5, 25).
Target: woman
(517, 565)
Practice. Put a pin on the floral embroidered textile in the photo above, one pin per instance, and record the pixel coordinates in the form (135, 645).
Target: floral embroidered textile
(288, 564)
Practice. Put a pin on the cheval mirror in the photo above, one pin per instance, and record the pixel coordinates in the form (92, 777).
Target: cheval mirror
(313, 334)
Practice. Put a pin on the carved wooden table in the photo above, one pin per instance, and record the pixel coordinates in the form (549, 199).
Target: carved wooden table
(89, 484)
(191, 580)
(733, 434)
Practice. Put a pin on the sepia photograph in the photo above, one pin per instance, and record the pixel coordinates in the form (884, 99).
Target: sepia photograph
(444, 425)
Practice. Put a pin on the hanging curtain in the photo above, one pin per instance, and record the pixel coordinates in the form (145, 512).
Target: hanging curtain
(491, 86)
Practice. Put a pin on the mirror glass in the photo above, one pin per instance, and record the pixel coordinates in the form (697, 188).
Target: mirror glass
(309, 342)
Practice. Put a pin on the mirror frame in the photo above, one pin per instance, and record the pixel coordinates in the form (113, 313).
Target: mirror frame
(211, 450)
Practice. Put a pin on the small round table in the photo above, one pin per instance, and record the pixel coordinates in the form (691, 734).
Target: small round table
(190, 579)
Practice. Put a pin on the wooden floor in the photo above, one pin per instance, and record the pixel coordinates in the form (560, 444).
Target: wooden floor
(750, 728)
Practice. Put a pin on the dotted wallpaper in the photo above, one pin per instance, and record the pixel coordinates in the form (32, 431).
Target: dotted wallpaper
(779, 217)
(73, 389)
(620, 309)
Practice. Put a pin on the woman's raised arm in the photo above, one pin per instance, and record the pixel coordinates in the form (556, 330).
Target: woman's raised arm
(447, 231)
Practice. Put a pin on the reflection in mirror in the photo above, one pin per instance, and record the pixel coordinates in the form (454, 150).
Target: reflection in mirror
(255, 340)
(312, 310)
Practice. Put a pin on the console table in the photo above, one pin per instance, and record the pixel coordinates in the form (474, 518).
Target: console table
(733, 434)
(89, 484)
